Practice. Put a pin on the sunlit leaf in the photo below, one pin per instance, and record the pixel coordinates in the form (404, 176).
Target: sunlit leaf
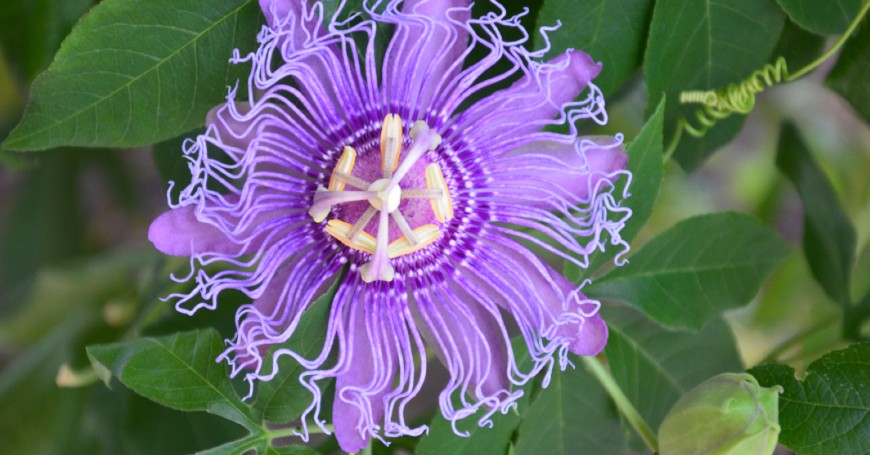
(137, 72)
(695, 270)
(827, 411)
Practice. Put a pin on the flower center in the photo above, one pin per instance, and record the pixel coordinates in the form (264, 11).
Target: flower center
(384, 197)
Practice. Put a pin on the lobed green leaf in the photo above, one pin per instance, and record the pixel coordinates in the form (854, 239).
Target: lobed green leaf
(695, 270)
(828, 411)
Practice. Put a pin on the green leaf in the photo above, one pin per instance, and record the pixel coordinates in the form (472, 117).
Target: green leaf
(829, 238)
(798, 46)
(134, 72)
(695, 270)
(573, 415)
(645, 163)
(702, 45)
(611, 31)
(441, 438)
(829, 410)
(849, 76)
(178, 371)
(655, 367)
(283, 398)
(829, 17)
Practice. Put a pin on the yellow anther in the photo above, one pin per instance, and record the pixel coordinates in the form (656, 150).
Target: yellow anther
(441, 206)
(391, 143)
(344, 166)
(425, 235)
(340, 230)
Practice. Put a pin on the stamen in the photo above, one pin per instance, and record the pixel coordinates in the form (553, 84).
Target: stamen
(424, 140)
(391, 144)
(325, 199)
(351, 180)
(379, 267)
(421, 193)
(426, 235)
(442, 206)
(362, 222)
(340, 230)
(344, 166)
(404, 227)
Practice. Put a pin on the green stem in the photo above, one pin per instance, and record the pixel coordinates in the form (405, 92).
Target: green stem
(622, 402)
(836, 47)
(277, 433)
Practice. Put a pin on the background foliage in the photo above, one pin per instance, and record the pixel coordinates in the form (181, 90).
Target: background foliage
(750, 243)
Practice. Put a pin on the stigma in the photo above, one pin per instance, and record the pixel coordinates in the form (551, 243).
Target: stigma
(384, 197)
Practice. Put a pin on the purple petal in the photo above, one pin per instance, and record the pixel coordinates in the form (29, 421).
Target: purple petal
(230, 129)
(556, 309)
(426, 50)
(574, 170)
(178, 232)
(531, 103)
(361, 387)
(594, 336)
(468, 339)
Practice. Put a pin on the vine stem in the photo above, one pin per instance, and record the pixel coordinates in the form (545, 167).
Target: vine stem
(277, 433)
(596, 367)
(836, 46)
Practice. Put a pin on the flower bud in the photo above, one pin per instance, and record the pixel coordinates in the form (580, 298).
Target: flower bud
(729, 414)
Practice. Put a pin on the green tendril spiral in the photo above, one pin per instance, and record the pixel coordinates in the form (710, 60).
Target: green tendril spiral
(739, 98)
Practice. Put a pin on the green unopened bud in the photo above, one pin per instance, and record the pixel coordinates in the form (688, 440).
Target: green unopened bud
(729, 414)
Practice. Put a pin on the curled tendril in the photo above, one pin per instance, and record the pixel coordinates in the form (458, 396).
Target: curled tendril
(735, 98)
(740, 97)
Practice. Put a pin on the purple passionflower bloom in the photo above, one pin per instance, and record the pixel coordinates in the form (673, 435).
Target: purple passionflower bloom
(408, 176)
